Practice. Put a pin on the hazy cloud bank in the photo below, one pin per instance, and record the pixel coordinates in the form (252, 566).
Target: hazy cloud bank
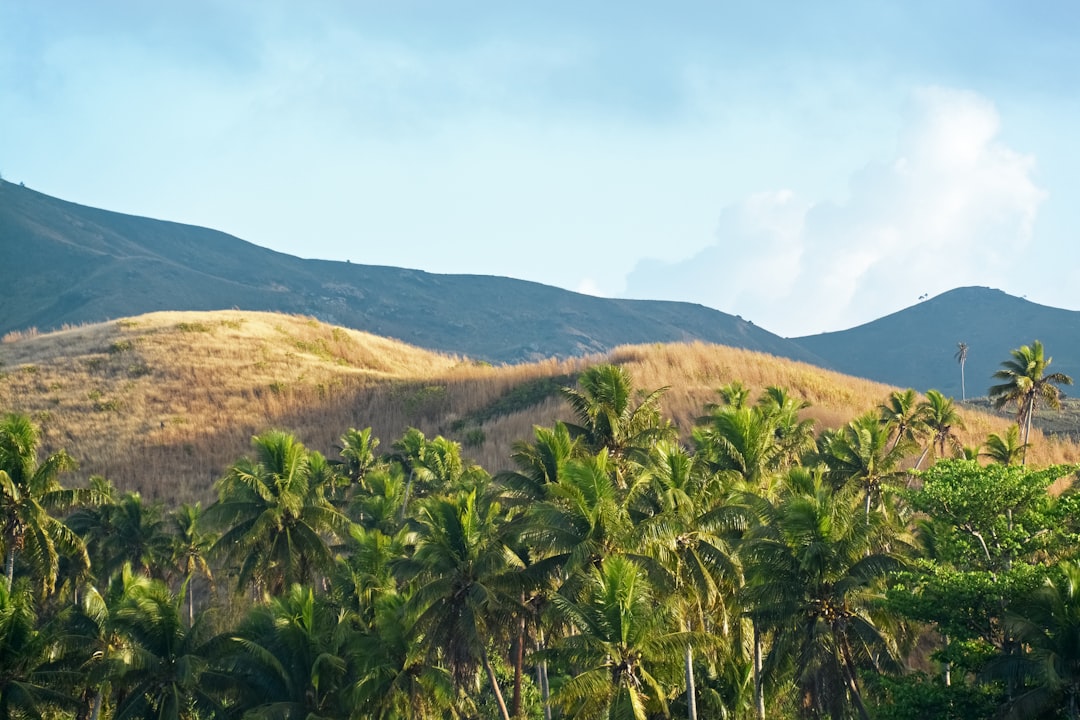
(955, 206)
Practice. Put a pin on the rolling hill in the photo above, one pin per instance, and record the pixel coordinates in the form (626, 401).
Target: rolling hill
(68, 264)
(162, 403)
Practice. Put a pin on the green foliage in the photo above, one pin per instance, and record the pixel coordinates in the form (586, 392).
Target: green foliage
(192, 327)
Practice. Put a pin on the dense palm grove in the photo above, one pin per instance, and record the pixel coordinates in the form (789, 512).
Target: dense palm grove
(759, 569)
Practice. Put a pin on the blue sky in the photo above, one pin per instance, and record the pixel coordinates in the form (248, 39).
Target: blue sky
(808, 166)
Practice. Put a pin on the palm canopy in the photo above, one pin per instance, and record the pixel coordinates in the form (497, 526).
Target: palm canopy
(1026, 382)
(622, 645)
(609, 418)
(277, 520)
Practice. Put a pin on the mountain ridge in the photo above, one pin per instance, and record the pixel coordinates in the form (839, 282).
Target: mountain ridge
(114, 265)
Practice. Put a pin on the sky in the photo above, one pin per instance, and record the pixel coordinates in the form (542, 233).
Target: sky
(807, 166)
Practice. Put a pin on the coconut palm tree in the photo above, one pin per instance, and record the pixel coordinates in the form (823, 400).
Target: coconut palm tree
(940, 418)
(814, 578)
(191, 545)
(905, 416)
(29, 490)
(961, 357)
(28, 686)
(292, 658)
(1006, 449)
(1027, 383)
(168, 672)
(623, 650)
(277, 521)
(608, 418)
(861, 455)
(466, 585)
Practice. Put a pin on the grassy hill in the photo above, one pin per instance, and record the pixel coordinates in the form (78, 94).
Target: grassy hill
(69, 264)
(163, 402)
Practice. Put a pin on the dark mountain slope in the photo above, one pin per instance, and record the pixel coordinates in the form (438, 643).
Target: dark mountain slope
(916, 347)
(65, 263)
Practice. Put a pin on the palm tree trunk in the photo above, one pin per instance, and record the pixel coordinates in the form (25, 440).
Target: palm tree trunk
(9, 563)
(1027, 427)
(95, 709)
(948, 666)
(759, 681)
(922, 457)
(519, 662)
(848, 668)
(494, 684)
(190, 604)
(542, 678)
(691, 691)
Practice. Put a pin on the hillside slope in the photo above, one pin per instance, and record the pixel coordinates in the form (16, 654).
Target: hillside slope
(916, 347)
(68, 264)
(162, 403)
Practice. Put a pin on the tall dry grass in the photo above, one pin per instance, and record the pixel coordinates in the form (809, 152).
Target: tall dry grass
(162, 403)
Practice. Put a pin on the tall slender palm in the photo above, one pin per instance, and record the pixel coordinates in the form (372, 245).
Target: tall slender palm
(29, 490)
(1026, 382)
(123, 530)
(961, 357)
(191, 544)
(278, 523)
(466, 585)
(292, 658)
(686, 536)
(168, 672)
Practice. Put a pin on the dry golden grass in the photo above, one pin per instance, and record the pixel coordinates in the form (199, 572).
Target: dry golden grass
(162, 403)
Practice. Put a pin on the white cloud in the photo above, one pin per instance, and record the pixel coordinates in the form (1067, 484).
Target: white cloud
(588, 286)
(955, 206)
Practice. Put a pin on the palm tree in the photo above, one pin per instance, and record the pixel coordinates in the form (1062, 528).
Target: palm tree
(466, 585)
(814, 579)
(1047, 626)
(961, 357)
(860, 454)
(293, 658)
(28, 491)
(191, 545)
(623, 649)
(608, 418)
(28, 686)
(358, 454)
(1026, 382)
(167, 672)
(123, 531)
(685, 535)
(277, 520)
(940, 417)
(1007, 449)
(904, 415)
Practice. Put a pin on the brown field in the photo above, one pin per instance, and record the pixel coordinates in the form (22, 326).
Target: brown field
(162, 403)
